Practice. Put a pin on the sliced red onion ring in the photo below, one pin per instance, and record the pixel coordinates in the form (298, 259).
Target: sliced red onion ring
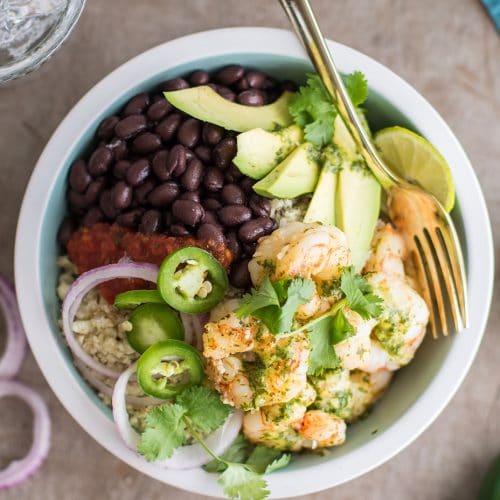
(19, 470)
(81, 286)
(186, 457)
(193, 328)
(15, 348)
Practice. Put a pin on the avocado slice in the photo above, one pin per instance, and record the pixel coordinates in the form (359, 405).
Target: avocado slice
(205, 104)
(296, 175)
(322, 205)
(357, 202)
(260, 151)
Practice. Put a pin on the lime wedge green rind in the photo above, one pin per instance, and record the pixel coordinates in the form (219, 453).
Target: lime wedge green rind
(415, 158)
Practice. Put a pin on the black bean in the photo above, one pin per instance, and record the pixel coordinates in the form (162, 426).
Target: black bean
(130, 126)
(269, 83)
(187, 211)
(255, 79)
(141, 192)
(121, 195)
(226, 92)
(136, 105)
(252, 97)
(146, 143)
(224, 152)
(150, 222)
(175, 84)
(107, 206)
(179, 230)
(211, 134)
(232, 194)
(77, 201)
(189, 133)
(242, 85)
(230, 74)
(159, 109)
(120, 169)
(210, 232)
(233, 215)
(107, 127)
(248, 249)
(100, 161)
(79, 178)
(192, 177)
(164, 194)
(289, 85)
(189, 154)
(211, 204)
(261, 207)
(66, 230)
(199, 77)
(204, 153)
(214, 179)
(176, 160)
(120, 150)
(246, 184)
(93, 216)
(93, 191)
(211, 218)
(168, 126)
(190, 195)
(240, 276)
(131, 218)
(159, 164)
(232, 173)
(233, 245)
(138, 172)
(254, 229)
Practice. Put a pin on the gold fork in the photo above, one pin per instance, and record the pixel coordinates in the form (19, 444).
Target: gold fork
(429, 232)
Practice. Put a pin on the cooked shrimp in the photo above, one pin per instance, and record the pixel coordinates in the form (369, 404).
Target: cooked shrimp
(298, 249)
(291, 426)
(274, 369)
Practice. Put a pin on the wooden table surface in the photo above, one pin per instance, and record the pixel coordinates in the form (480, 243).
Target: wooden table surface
(448, 49)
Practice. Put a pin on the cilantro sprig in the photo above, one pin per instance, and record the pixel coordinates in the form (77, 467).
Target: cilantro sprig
(197, 411)
(275, 303)
(313, 109)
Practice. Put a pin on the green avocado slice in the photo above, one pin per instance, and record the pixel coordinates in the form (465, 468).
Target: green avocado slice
(205, 104)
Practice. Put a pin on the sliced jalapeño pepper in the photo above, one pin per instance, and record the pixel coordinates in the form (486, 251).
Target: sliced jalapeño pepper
(134, 298)
(168, 367)
(152, 323)
(192, 281)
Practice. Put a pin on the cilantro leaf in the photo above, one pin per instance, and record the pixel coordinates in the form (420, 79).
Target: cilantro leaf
(204, 408)
(165, 431)
(357, 87)
(312, 109)
(240, 481)
(237, 452)
(262, 296)
(322, 356)
(264, 459)
(359, 294)
(342, 329)
(277, 308)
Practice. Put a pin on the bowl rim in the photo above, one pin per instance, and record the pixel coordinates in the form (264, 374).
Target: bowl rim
(233, 41)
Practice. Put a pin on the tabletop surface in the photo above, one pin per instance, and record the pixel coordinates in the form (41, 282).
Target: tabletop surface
(448, 50)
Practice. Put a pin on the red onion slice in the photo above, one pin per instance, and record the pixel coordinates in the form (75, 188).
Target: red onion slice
(19, 470)
(81, 286)
(15, 348)
(186, 457)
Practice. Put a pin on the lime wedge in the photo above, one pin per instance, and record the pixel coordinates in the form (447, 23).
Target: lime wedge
(414, 158)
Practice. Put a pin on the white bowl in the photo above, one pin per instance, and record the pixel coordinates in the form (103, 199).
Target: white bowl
(419, 392)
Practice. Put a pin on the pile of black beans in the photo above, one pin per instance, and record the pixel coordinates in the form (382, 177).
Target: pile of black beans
(157, 170)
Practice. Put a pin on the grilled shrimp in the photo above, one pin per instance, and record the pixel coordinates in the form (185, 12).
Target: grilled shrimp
(348, 394)
(252, 367)
(298, 249)
(291, 426)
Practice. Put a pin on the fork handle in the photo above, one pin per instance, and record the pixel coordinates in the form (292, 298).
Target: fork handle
(304, 22)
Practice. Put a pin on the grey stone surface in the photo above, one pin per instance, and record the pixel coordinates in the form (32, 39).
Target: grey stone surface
(447, 49)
